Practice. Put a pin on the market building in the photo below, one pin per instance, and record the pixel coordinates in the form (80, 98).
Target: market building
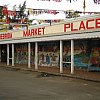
(70, 45)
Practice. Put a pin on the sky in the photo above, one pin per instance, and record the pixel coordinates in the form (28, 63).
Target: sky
(52, 5)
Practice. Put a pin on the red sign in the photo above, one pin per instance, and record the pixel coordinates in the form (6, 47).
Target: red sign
(51, 0)
(33, 32)
(83, 25)
(5, 11)
(11, 13)
(5, 36)
(52, 12)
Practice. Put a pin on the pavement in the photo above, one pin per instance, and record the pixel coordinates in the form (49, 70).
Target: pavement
(79, 74)
(18, 84)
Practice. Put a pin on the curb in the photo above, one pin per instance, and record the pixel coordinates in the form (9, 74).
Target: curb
(49, 73)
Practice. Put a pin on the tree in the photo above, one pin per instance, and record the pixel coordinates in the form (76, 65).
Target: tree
(22, 9)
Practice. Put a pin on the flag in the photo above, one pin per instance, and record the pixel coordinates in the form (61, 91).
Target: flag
(5, 11)
(57, 0)
(51, 0)
(97, 1)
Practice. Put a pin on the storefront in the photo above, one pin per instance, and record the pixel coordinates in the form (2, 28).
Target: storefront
(74, 44)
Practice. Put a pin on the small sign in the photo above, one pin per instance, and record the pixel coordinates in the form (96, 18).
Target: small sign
(3, 28)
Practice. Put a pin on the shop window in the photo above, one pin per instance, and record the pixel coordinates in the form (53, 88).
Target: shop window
(21, 54)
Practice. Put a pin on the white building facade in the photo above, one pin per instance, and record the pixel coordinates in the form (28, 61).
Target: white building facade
(74, 44)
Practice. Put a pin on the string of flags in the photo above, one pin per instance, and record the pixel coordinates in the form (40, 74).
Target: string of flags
(95, 1)
(51, 0)
(40, 11)
(85, 12)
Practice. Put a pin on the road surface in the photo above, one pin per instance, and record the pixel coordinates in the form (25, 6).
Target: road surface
(24, 85)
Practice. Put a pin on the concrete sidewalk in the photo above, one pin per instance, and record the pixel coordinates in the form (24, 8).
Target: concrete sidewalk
(79, 74)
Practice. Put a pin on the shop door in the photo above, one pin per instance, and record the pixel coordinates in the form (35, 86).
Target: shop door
(3, 53)
(10, 53)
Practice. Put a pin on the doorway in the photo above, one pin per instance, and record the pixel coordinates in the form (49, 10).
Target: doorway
(3, 53)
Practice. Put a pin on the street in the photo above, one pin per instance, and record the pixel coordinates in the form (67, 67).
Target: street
(25, 85)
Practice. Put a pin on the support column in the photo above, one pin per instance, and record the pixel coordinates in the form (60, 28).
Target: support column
(12, 54)
(29, 55)
(72, 56)
(36, 56)
(7, 54)
(61, 56)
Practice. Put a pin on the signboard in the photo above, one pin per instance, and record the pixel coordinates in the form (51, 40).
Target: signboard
(82, 25)
(74, 26)
(3, 28)
(11, 13)
(5, 36)
(33, 32)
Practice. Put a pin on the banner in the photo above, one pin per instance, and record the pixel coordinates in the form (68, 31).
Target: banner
(51, 0)
(5, 11)
(11, 13)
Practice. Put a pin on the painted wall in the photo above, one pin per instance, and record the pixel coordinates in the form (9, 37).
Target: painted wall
(48, 54)
(21, 54)
(85, 54)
